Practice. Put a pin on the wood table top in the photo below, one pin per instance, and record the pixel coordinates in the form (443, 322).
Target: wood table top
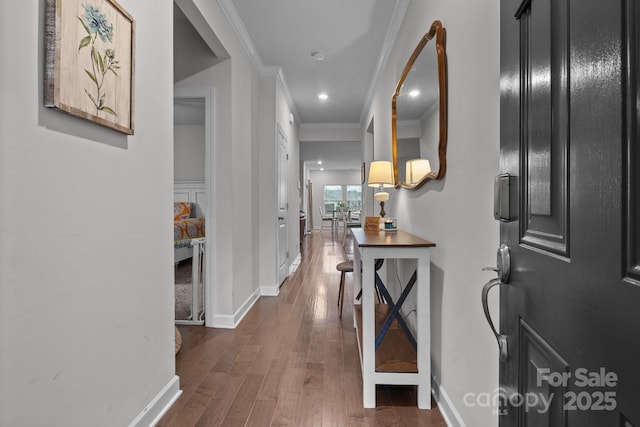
(398, 238)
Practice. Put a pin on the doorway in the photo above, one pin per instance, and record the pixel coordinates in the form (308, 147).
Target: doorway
(189, 196)
(193, 178)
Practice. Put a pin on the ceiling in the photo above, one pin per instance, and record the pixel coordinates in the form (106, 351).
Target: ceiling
(355, 37)
(352, 34)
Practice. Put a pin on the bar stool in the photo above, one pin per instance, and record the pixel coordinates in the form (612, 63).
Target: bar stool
(343, 268)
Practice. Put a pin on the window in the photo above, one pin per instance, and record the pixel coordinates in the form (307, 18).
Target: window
(332, 196)
(354, 197)
(350, 195)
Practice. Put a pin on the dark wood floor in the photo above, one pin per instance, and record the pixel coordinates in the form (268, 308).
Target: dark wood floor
(291, 362)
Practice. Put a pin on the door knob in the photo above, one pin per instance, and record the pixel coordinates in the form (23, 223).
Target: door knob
(503, 264)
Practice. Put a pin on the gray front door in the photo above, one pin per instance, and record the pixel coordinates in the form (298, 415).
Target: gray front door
(569, 128)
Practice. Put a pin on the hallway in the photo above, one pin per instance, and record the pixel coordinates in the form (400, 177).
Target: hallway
(291, 362)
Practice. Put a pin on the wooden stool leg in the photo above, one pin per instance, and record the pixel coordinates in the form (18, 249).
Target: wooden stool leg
(341, 293)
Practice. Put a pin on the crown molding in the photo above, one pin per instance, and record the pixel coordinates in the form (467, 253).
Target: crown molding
(340, 126)
(278, 73)
(238, 27)
(330, 132)
(392, 32)
(231, 13)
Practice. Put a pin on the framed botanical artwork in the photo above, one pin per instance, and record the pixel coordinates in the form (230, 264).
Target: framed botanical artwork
(89, 61)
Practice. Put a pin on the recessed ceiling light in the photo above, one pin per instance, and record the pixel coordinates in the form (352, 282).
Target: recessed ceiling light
(318, 55)
(321, 169)
(414, 93)
(319, 162)
(323, 96)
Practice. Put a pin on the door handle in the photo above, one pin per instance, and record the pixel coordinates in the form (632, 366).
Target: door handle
(503, 270)
(502, 339)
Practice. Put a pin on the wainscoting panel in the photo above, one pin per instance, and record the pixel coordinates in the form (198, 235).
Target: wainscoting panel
(192, 192)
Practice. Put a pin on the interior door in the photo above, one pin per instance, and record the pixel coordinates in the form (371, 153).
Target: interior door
(569, 309)
(283, 207)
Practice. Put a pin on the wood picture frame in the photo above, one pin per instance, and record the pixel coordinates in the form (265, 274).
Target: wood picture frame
(90, 61)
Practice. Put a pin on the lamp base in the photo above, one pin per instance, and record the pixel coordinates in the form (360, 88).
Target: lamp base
(382, 212)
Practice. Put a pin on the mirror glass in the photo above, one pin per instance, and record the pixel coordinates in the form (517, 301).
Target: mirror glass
(419, 113)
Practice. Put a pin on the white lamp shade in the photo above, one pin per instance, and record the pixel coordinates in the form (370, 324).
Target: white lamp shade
(417, 169)
(381, 174)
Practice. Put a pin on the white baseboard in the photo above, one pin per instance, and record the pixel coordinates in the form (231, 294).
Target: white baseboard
(153, 412)
(223, 321)
(274, 291)
(447, 409)
(294, 265)
(230, 322)
(269, 291)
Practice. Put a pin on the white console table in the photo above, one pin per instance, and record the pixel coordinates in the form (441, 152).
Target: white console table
(389, 353)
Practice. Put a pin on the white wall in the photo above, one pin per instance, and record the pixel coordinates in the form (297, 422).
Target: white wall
(243, 160)
(188, 153)
(329, 132)
(455, 213)
(283, 112)
(273, 113)
(234, 83)
(86, 280)
(338, 145)
(335, 155)
(217, 80)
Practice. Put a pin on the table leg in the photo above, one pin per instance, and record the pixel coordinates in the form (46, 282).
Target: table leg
(424, 331)
(368, 326)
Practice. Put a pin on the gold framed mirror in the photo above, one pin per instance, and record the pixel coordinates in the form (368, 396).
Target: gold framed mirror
(419, 114)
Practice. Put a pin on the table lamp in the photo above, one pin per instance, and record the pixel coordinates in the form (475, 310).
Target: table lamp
(416, 170)
(381, 176)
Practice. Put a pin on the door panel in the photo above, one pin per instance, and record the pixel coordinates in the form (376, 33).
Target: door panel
(569, 137)
(544, 125)
(541, 381)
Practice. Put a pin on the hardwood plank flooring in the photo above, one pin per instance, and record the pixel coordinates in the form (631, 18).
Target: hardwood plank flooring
(291, 362)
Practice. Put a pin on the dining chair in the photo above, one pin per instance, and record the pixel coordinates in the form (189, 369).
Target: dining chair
(352, 220)
(324, 216)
